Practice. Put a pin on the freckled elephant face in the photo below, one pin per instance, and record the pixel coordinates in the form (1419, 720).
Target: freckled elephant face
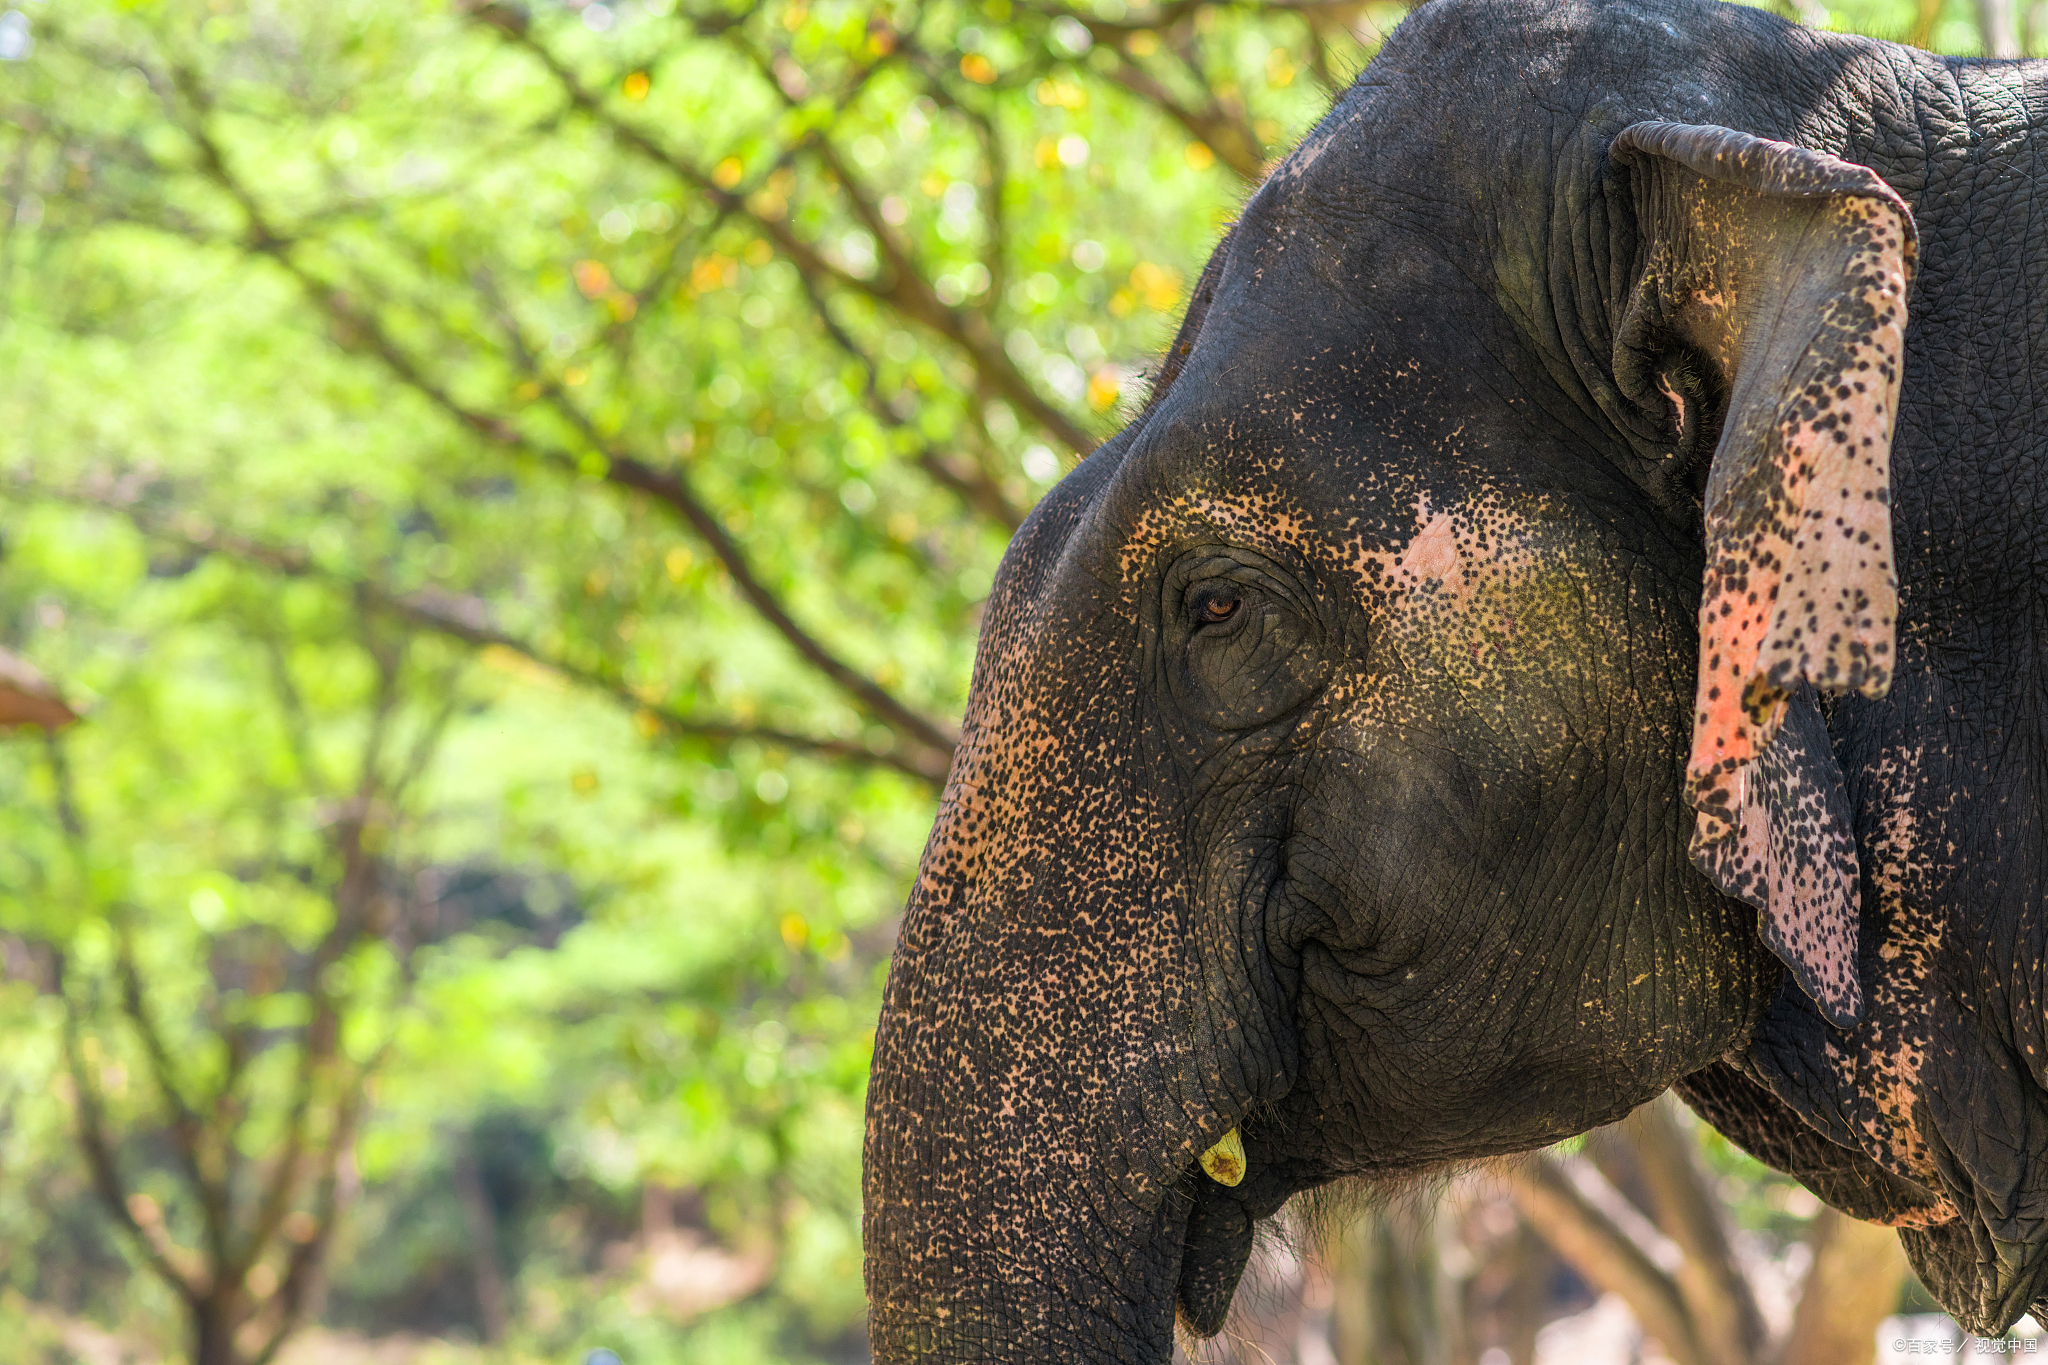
(1321, 786)
(1406, 742)
(1400, 689)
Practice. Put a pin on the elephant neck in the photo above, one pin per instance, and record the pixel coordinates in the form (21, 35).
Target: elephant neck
(1970, 462)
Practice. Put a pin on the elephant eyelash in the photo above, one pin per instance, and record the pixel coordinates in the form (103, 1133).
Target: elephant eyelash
(1681, 387)
(1683, 374)
(1692, 386)
(1677, 400)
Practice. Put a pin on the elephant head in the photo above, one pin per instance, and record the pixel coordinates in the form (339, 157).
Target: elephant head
(1477, 693)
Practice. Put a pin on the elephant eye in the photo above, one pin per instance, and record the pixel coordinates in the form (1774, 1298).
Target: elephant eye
(1244, 638)
(1213, 606)
(1692, 387)
(1679, 382)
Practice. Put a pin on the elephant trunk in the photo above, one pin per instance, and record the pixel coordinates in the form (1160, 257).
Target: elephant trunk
(1051, 1061)
(995, 1229)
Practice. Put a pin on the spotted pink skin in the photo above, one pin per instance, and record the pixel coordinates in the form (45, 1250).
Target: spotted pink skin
(1792, 853)
(1901, 1094)
(1884, 1057)
(1789, 265)
(1805, 592)
(1034, 992)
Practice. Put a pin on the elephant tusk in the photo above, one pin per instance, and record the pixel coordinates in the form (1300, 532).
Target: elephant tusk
(1225, 1161)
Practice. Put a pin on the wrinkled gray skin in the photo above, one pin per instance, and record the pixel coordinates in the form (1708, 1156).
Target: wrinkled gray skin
(1324, 774)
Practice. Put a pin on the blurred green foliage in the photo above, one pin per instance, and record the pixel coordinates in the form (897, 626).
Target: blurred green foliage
(511, 491)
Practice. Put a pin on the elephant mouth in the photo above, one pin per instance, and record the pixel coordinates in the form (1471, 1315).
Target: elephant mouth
(1214, 1251)
(1221, 1230)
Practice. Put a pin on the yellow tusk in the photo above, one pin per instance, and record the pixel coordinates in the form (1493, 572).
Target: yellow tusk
(1225, 1161)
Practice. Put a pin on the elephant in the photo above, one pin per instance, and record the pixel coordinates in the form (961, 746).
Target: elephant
(1566, 623)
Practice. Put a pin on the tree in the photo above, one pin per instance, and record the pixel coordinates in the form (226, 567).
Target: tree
(1645, 1171)
(850, 192)
(228, 976)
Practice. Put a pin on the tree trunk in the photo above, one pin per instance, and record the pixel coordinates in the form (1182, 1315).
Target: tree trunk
(1719, 1299)
(2001, 34)
(1854, 1285)
(1384, 1277)
(1604, 1255)
(1523, 1308)
(213, 1333)
(488, 1275)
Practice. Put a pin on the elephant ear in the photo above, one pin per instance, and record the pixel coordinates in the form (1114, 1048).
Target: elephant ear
(1783, 272)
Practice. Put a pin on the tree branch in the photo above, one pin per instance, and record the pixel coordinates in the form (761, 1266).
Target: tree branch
(1600, 1251)
(355, 920)
(188, 1129)
(1224, 130)
(189, 1284)
(302, 1265)
(105, 1170)
(1722, 1305)
(1223, 133)
(972, 486)
(298, 726)
(669, 488)
(462, 618)
(903, 290)
(1851, 1288)
(673, 490)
